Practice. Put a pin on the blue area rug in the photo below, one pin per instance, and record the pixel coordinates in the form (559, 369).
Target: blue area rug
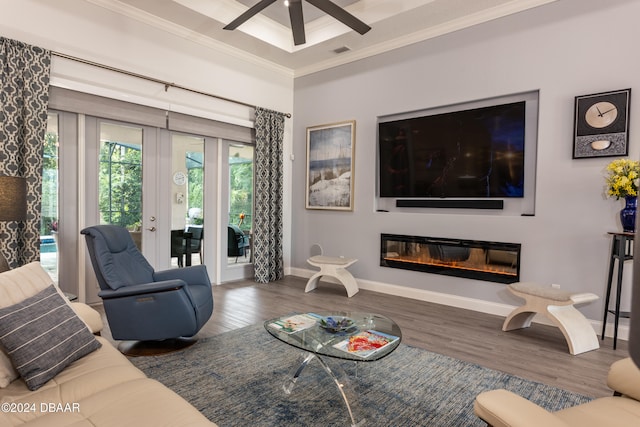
(236, 379)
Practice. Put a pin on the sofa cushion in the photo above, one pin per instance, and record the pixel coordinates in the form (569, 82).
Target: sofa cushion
(22, 282)
(42, 335)
(15, 286)
(102, 369)
(89, 316)
(547, 292)
(107, 390)
(132, 403)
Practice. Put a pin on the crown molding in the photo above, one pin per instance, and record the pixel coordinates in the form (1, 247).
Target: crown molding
(177, 30)
(487, 15)
(483, 16)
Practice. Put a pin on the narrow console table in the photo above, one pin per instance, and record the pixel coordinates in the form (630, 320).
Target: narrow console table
(621, 250)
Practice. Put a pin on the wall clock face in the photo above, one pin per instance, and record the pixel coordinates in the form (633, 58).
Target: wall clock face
(601, 127)
(179, 178)
(601, 114)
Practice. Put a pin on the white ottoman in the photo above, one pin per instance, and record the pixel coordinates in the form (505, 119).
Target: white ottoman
(557, 306)
(333, 267)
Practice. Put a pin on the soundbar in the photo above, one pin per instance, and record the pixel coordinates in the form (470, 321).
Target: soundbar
(450, 204)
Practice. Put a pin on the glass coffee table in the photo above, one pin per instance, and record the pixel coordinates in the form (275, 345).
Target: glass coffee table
(353, 336)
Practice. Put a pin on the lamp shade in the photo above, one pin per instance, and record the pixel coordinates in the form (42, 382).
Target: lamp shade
(13, 198)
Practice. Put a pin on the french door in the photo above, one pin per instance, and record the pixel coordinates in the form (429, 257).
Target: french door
(161, 184)
(149, 170)
(121, 161)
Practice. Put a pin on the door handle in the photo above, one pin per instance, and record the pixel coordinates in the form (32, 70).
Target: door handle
(151, 229)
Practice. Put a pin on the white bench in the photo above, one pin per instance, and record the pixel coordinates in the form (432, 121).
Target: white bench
(557, 306)
(333, 267)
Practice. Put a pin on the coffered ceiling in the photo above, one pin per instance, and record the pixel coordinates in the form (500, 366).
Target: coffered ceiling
(267, 36)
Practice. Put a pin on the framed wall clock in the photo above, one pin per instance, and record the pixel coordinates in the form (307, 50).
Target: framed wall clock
(602, 124)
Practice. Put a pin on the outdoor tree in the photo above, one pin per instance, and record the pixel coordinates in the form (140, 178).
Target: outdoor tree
(120, 185)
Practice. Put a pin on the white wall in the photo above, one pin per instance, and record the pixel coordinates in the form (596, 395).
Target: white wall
(85, 30)
(565, 49)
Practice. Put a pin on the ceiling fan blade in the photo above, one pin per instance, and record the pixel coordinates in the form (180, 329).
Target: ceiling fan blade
(253, 10)
(297, 22)
(341, 15)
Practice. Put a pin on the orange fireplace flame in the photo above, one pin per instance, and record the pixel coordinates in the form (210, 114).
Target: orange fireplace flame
(461, 265)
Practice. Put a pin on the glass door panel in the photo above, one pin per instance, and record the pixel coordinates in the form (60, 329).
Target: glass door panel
(120, 159)
(49, 207)
(120, 178)
(187, 204)
(240, 210)
(59, 205)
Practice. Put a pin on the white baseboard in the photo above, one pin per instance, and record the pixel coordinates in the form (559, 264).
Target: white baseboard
(482, 306)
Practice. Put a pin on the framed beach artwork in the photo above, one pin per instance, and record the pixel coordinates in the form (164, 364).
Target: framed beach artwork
(330, 162)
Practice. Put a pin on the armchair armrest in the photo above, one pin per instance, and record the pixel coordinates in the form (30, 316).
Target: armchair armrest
(193, 275)
(624, 377)
(143, 289)
(501, 408)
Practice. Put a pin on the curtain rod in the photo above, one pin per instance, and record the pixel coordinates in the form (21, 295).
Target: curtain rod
(166, 84)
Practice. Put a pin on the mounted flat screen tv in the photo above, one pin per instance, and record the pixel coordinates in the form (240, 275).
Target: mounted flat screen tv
(469, 153)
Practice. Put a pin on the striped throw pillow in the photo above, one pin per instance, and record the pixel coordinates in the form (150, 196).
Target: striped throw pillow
(42, 335)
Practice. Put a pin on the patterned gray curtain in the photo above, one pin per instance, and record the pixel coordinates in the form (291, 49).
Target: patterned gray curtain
(267, 244)
(24, 96)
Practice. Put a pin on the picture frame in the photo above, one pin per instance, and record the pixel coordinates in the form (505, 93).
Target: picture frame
(330, 166)
(601, 124)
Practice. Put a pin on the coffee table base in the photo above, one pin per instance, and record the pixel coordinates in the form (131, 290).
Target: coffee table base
(340, 379)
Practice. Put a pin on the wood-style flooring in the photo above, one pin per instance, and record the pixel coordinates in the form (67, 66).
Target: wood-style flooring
(538, 353)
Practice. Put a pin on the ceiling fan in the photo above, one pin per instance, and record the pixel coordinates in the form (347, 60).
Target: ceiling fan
(297, 21)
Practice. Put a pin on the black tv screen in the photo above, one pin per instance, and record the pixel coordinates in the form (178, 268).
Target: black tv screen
(471, 153)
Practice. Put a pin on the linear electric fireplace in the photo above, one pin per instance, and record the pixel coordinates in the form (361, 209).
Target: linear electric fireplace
(472, 259)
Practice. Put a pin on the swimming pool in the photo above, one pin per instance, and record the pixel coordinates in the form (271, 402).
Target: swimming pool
(48, 244)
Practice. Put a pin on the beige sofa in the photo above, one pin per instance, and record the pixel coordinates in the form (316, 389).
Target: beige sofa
(100, 389)
(501, 408)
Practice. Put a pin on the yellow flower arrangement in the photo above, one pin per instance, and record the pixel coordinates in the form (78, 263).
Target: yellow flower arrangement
(622, 178)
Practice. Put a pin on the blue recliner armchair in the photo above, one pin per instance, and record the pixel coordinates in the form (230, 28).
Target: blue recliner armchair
(142, 304)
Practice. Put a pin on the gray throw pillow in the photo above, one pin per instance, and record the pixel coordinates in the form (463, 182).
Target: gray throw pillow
(43, 335)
